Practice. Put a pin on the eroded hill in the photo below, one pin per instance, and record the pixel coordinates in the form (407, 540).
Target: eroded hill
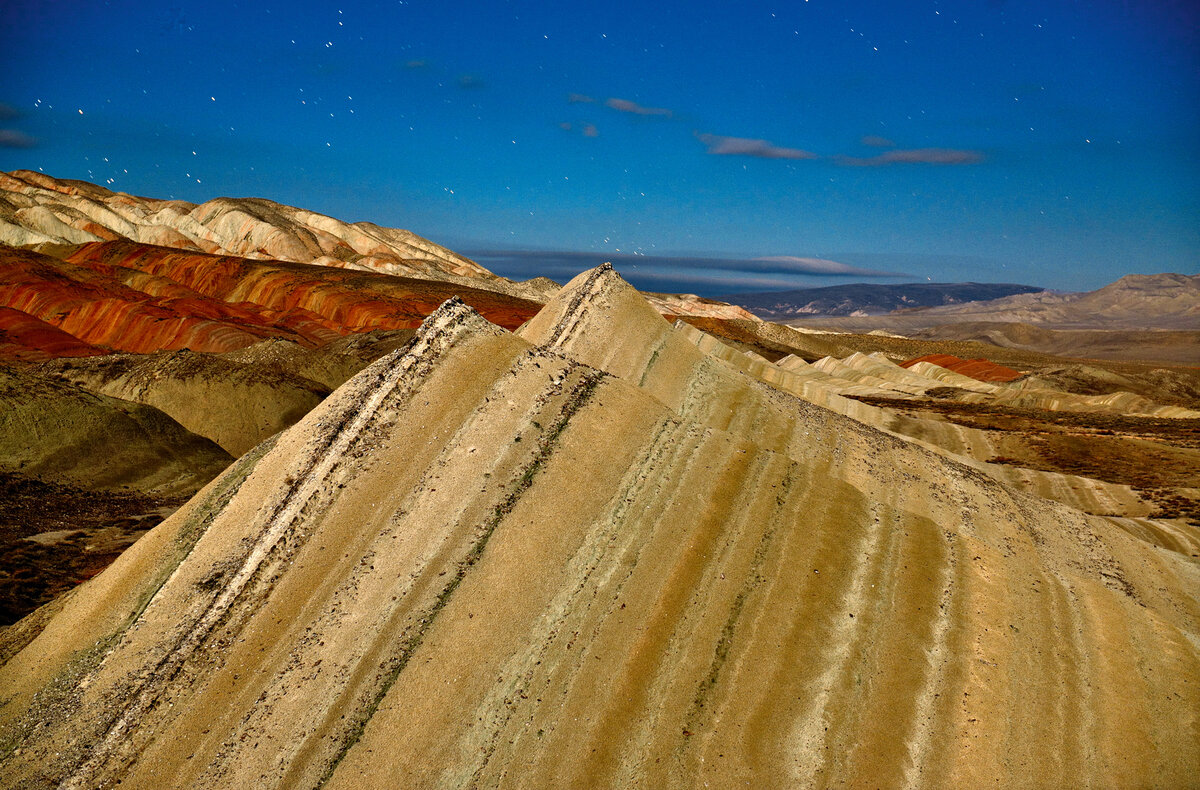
(607, 552)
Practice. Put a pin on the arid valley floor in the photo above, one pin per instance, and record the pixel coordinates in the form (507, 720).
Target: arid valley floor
(290, 502)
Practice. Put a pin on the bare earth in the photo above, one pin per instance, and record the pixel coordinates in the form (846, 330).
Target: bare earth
(605, 551)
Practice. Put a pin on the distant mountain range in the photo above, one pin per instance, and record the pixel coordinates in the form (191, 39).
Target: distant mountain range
(1134, 302)
(1138, 317)
(863, 299)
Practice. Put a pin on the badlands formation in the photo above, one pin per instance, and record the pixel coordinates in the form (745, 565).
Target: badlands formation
(1139, 317)
(43, 213)
(605, 550)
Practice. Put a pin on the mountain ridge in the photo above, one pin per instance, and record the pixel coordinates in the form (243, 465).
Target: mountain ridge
(605, 550)
(43, 213)
(860, 299)
(1135, 301)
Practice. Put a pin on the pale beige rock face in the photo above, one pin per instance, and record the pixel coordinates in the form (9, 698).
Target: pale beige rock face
(609, 553)
(36, 209)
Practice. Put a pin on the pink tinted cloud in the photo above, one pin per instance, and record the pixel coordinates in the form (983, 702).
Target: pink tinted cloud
(794, 265)
(624, 105)
(930, 156)
(875, 141)
(11, 138)
(586, 129)
(745, 146)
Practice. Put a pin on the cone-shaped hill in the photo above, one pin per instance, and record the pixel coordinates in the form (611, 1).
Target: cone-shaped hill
(593, 554)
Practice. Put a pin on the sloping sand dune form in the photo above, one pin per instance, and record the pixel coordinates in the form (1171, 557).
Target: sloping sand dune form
(483, 563)
(59, 433)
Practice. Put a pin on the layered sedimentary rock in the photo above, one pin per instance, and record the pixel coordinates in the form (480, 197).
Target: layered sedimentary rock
(24, 338)
(38, 210)
(35, 208)
(978, 369)
(139, 298)
(695, 366)
(92, 304)
(596, 554)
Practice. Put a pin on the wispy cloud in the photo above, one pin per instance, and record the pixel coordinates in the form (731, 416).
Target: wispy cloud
(418, 63)
(930, 156)
(624, 105)
(11, 138)
(875, 141)
(586, 129)
(821, 266)
(745, 146)
(694, 274)
(579, 98)
(8, 112)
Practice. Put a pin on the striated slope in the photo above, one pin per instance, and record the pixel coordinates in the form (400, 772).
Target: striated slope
(91, 303)
(351, 301)
(978, 369)
(38, 210)
(35, 209)
(24, 338)
(138, 298)
(480, 562)
(690, 372)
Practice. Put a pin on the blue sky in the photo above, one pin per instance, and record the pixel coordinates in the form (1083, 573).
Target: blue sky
(705, 146)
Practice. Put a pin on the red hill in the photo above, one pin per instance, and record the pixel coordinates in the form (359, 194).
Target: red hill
(979, 369)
